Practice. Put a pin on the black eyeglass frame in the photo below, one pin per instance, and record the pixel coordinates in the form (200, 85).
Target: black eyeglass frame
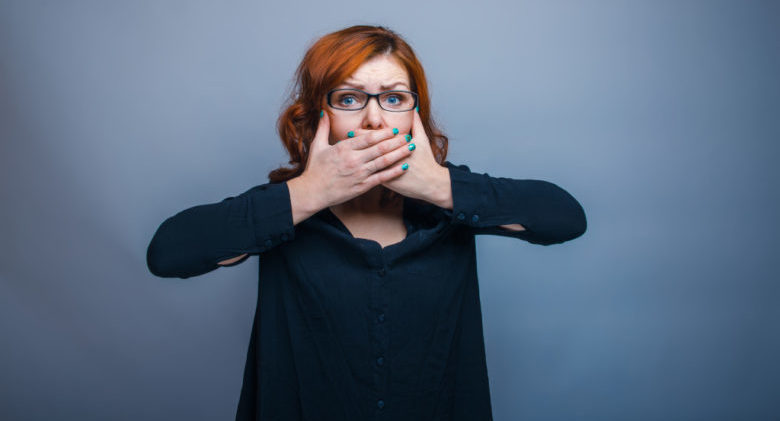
(414, 94)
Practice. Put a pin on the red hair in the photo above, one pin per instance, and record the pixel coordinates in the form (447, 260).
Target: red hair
(327, 63)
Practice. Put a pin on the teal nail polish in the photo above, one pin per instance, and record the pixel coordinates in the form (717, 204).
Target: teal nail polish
(322, 113)
(408, 137)
(395, 131)
(411, 146)
(405, 166)
(351, 134)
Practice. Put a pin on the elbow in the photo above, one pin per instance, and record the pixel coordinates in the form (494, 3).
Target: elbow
(164, 266)
(156, 260)
(578, 222)
(565, 222)
(571, 224)
(161, 257)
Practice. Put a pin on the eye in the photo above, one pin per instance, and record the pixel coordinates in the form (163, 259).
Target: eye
(393, 97)
(345, 98)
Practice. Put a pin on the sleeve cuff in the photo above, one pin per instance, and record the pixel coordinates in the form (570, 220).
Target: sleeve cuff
(468, 196)
(270, 214)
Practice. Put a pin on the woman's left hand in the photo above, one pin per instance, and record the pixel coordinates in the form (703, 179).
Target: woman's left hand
(424, 179)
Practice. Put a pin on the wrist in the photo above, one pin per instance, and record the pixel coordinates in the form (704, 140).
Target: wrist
(441, 194)
(303, 197)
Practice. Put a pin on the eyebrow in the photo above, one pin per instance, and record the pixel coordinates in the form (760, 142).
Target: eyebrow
(359, 86)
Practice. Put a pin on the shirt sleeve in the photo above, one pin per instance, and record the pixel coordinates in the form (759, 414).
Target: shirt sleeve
(193, 241)
(549, 213)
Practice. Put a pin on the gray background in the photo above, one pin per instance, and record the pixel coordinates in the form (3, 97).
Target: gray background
(660, 117)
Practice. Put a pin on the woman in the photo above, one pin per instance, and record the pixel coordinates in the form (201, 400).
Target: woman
(368, 302)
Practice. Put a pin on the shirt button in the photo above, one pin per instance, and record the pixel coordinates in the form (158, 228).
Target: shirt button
(284, 237)
(380, 403)
(380, 361)
(461, 216)
(268, 243)
(381, 272)
(381, 317)
(475, 218)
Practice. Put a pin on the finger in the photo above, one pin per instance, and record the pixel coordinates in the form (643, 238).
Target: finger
(383, 148)
(389, 158)
(418, 130)
(366, 138)
(322, 134)
(386, 175)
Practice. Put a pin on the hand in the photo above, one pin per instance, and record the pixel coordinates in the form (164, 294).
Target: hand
(340, 172)
(426, 179)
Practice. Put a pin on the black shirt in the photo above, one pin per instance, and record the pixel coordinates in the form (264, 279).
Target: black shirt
(345, 329)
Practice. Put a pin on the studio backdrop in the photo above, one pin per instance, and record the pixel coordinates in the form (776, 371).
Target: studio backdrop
(660, 117)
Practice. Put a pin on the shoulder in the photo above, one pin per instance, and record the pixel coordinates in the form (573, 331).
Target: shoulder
(449, 164)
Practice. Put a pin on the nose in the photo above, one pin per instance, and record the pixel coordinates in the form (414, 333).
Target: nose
(372, 120)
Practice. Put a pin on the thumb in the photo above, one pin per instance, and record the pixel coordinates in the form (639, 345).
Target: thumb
(320, 140)
(417, 126)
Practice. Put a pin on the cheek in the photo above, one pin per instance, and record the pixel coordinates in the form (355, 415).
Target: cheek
(408, 125)
(338, 130)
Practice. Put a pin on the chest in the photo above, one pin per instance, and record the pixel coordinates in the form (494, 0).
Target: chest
(384, 229)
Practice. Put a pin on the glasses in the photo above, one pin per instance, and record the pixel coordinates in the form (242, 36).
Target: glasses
(356, 100)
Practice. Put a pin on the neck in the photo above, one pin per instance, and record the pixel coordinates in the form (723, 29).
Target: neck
(367, 203)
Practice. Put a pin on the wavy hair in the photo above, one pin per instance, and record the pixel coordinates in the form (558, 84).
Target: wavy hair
(328, 62)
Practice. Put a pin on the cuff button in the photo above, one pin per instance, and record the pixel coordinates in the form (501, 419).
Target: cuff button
(461, 216)
(475, 218)
(268, 243)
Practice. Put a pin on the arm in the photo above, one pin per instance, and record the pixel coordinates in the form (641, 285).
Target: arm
(201, 238)
(537, 211)
(301, 209)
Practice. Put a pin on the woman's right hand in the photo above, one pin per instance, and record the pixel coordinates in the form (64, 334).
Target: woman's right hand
(337, 173)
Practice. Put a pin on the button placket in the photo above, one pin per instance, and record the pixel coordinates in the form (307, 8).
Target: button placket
(380, 333)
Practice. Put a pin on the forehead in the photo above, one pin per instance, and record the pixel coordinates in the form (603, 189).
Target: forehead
(378, 71)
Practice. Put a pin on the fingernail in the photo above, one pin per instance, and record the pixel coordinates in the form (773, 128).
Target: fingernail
(405, 166)
(408, 137)
(351, 134)
(395, 130)
(411, 146)
(322, 113)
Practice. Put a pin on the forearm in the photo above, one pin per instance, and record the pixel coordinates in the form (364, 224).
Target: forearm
(200, 238)
(537, 211)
